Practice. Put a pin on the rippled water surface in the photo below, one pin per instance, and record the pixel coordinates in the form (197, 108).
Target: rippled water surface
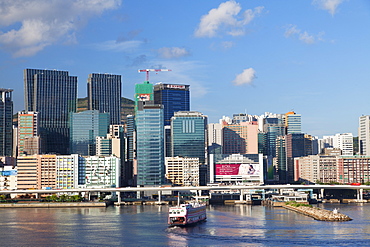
(239, 225)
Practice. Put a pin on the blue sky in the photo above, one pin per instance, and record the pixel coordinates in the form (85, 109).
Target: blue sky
(251, 56)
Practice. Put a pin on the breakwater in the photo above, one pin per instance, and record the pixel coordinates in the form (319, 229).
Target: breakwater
(319, 214)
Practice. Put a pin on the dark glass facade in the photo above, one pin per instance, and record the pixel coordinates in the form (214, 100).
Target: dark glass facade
(6, 122)
(53, 94)
(173, 97)
(85, 127)
(189, 135)
(104, 95)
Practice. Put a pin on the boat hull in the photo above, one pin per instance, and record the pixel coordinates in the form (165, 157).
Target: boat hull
(187, 214)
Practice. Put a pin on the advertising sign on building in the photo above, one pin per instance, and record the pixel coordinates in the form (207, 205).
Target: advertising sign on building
(176, 86)
(237, 169)
(144, 97)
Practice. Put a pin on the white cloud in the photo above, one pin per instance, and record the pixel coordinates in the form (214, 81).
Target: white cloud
(226, 17)
(293, 32)
(246, 77)
(113, 45)
(43, 23)
(227, 44)
(173, 52)
(329, 5)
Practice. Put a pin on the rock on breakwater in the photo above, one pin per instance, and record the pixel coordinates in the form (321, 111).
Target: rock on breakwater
(319, 214)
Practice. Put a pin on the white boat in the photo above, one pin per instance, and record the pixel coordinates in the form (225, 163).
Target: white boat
(187, 213)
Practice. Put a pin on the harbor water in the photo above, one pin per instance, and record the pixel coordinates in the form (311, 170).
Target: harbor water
(144, 225)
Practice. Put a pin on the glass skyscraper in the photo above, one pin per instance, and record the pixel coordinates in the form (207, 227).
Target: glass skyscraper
(188, 132)
(104, 94)
(53, 94)
(173, 97)
(150, 145)
(6, 122)
(85, 127)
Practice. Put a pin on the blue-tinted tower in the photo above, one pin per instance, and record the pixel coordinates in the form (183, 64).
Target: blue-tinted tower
(150, 144)
(188, 133)
(173, 97)
(85, 127)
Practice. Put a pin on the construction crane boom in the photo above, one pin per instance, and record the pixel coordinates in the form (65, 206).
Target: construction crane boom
(151, 70)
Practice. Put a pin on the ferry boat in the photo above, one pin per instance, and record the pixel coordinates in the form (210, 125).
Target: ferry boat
(187, 213)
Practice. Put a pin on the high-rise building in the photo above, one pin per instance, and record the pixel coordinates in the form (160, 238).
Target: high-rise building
(6, 122)
(293, 123)
(173, 97)
(85, 127)
(53, 94)
(28, 133)
(240, 138)
(143, 93)
(344, 142)
(189, 138)
(364, 135)
(150, 144)
(295, 145)
(104, 95)
(215, 138)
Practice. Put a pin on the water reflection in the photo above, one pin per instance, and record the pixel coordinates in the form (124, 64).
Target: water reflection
(240, 225)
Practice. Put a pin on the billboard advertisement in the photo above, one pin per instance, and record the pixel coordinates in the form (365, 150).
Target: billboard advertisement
(237, 169)
(144, 97)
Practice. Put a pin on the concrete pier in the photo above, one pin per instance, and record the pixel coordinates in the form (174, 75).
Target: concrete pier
(319, 213)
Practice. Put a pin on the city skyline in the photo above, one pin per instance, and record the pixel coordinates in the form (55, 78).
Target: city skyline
(237, 56)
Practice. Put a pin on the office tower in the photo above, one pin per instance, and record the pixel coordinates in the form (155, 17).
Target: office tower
(143, 93)
(364, 135)
(182, 171)
(6, 122)
(173, 97)
(295, 147)
(53, 94)
(104, 95)
(293, 123)
(150, 144)
(280, 161)
(272, 132)
(130, 150)
(189, 138)
(215, 138)
(85, 127)
(28, 133)
(240, 138)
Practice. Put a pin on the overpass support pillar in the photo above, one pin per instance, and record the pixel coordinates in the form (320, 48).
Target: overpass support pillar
(199, 192)
(159, 196)
(360, 194)
(241, 198)
(321, 193)
(119, 197)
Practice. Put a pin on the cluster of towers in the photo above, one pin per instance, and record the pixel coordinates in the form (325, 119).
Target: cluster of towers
(161, 141)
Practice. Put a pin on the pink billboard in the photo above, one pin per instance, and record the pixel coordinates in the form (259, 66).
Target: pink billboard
(236, 169)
